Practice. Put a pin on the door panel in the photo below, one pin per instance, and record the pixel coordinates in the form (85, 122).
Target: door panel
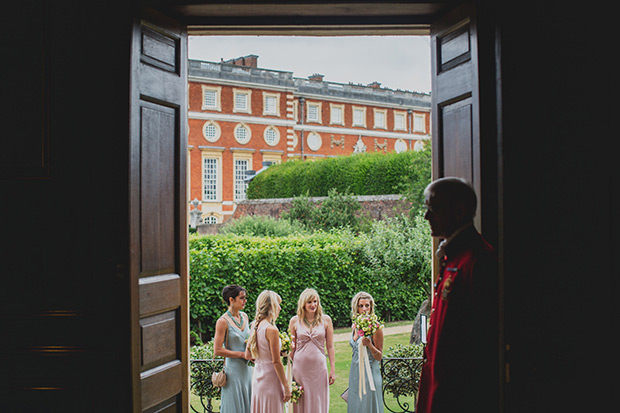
(158, 228)
(455, 98)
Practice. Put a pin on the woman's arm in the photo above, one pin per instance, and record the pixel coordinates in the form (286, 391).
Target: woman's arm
(221, 329)
(292, 330)
(376, 349)
(329, 343)
(273, 338)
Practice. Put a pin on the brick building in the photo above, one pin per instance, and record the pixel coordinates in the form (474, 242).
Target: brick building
(242, 118)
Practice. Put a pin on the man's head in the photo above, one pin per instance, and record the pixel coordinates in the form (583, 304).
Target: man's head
(450, 205)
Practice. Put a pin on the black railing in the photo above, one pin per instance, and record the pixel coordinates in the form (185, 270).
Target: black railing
(201, 386)
(400, 383)
(401, 376)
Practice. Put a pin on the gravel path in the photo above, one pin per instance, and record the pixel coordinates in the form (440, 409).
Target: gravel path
(386, 331)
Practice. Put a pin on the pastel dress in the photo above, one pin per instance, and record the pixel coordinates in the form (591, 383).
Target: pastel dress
(267, 390)
(372, 401)
(310, 369)
(237, 393)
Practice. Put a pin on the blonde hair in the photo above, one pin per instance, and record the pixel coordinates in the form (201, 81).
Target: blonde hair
(362, 295)
(266, 307)
(308, 295)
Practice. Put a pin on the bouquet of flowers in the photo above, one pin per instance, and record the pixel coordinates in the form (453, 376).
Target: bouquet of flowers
(367, 324)
(296, 391)
(286, 342)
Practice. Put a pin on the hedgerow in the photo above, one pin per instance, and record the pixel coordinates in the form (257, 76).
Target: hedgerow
(360, 174)
(337, 264)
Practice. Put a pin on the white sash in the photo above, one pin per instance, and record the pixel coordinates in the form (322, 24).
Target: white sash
(364, 368)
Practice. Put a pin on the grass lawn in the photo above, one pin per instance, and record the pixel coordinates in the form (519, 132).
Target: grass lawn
(343, 363)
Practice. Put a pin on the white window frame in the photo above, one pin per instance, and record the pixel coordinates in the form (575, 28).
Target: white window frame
(317, 106)
(419, 122)
(276, 109)
(403, 116)
(276, 135)
(239, 175)
(242, 140)
(214, 183)
(218, 131)
(218, 98)
(210, 219)
(362, 121)
(334, 108)
(248, 100)
(380, 114)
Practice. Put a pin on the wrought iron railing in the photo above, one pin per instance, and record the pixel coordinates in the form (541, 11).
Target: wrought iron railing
(400, 383)
(201, 386)
(401, 376)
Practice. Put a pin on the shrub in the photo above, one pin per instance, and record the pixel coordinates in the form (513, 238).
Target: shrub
(262, 226)
(337, 264)
(360, 174)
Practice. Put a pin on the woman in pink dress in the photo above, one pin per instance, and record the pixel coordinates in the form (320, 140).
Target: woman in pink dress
(313, 332)
(269, 386)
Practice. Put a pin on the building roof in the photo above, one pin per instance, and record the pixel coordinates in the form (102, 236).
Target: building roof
(225, 72)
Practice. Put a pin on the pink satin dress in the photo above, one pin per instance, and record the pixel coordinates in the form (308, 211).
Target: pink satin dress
(310, 369)
(267, 391)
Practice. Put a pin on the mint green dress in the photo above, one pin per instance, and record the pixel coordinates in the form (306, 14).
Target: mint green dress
(372, 401)
(237, 393)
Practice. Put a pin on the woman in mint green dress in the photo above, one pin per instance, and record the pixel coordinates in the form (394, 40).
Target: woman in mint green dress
(371, 401)
(231, 333)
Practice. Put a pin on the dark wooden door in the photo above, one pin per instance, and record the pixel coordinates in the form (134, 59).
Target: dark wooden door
(158, 228)
(464, 120)
(455, 99)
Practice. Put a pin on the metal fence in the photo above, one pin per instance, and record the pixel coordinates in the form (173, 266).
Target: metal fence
(400, 383)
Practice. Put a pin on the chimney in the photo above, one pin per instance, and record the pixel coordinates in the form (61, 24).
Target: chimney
(316, 77)
(246, 61)
(374, 85)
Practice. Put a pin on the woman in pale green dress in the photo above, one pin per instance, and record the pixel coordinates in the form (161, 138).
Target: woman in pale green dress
(231, 333)
(371, 401)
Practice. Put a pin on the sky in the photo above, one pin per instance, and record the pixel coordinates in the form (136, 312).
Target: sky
(397, 62)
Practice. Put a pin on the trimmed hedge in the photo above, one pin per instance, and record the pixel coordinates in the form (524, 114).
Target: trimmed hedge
(360, 174)
(336, 264)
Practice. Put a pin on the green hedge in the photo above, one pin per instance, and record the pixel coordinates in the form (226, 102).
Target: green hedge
(336, 264)
(361, 174)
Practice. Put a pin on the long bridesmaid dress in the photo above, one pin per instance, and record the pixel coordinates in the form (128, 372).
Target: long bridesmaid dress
(310, 369)
(372, 401)
(237, 393)
(267, 391)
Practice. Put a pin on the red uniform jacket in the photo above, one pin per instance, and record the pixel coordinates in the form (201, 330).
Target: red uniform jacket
(460, 370)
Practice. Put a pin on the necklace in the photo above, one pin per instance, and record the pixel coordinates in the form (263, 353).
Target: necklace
(311, 324)
(238, 324)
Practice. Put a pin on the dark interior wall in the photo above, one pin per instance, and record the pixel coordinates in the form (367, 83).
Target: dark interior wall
(64, 294)
(560, 212)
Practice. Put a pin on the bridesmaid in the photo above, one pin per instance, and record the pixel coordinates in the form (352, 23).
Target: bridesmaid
(372, 401)
(269, 387)
(234, 327)
(312, 331)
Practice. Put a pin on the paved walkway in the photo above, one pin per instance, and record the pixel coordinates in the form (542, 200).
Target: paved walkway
(386, 331)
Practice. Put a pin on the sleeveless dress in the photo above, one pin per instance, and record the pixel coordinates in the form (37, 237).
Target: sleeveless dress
(237, 393)
(310, 369)
(267, 391)
(372, 401)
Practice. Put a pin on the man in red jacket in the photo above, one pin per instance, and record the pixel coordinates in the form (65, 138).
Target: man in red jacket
(460, 370)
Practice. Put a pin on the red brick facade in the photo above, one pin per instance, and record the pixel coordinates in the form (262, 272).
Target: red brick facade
(243, 116)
